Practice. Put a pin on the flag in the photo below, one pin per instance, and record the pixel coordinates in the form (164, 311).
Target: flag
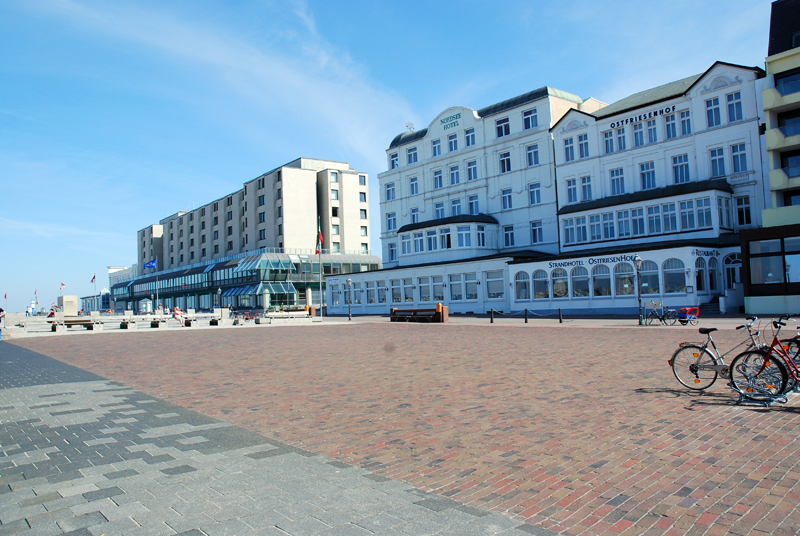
(63, 286)
(6, 296)
(151, 264)
(93, 278)
(319, 235)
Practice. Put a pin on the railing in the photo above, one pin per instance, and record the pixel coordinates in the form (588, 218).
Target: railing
(788, 89)
(792, 171)
(790, 130)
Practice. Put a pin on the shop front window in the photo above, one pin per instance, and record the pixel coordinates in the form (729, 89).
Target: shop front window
(470, 286)
(623, 279)
(438, 288)
(601, 275)
(674, 276)
(649, 278)
(494, 285)
(541, 290)
(560, 283)
(424, 289)
(522, 286)
(580, 282)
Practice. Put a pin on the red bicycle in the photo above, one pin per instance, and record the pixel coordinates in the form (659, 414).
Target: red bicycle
(767, 374)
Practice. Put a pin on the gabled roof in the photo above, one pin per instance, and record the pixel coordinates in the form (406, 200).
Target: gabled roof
(649, 96)
(494, 109)
(657, 94)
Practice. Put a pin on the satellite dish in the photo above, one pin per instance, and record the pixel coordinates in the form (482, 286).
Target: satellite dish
(410, 127)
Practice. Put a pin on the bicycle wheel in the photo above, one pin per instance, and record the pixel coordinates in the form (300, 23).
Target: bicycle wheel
(755, 381)
(689, 365)
(652, 317)
(670, 317)
(693, 320)
(792, 348)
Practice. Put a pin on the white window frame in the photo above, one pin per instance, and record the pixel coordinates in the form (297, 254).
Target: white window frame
(535, 193)
(472, 170)
(537, 232)
(505, 162)
(391, 221)
(413, 185)
(505, 195)
(469, 137)
(390, 191)
(411, 155)
(452, 143)
(436, 148)
(530, 119)
(502, 127)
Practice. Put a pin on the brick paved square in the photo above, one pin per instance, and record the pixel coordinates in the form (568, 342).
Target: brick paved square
(577, 429)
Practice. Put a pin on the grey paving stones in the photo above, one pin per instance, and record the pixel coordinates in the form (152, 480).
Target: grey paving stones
(85, 456)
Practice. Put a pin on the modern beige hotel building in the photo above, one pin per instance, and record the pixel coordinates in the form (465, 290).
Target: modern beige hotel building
(771, 256)
(256, 247)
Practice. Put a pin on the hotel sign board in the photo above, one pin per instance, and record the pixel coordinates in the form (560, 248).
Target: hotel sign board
(641, 117)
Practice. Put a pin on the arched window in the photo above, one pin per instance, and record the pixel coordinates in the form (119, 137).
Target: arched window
(732, 264)
(623, 279)
(602, 280)
(674, 276)
(700, 268)
(560, 283)
(649, 275)
(522, 281)
(540, 288)
(712, 274)
(580, 282)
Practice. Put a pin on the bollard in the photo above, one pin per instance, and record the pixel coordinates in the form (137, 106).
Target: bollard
(560, 318)
(491, 313)
(526, 315)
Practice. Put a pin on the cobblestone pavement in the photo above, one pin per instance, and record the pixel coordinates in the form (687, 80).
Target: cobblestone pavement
(575, 430)
(86, 456)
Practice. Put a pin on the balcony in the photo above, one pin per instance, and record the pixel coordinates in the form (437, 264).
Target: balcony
(784, 179)
(776, 217)
(781, 98)
(783, 138)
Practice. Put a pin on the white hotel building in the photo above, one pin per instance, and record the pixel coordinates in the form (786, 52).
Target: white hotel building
(542, 201)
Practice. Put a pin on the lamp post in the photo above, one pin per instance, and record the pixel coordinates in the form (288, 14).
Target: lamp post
(637, 263)
(219, 298)
(349, 299)
(152, 304)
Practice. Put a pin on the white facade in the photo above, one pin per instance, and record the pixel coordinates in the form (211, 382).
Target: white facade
(671, 174)
(496, 162)
(683, 163)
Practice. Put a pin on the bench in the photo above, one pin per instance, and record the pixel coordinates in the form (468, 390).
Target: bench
(417, 315)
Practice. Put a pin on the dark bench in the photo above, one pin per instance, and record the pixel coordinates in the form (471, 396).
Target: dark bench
(417, 315)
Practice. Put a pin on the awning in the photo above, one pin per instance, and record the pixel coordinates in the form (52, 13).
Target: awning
(241, 291)
(209, 268)
(248, 263)
(277, 287)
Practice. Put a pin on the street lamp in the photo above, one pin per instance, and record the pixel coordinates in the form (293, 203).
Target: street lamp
(219, 298)
(637, 263)
(152, 304)
(350, 299)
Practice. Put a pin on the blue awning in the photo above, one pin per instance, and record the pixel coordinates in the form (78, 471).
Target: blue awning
(249, 263)
(277, 287)
(209, 268)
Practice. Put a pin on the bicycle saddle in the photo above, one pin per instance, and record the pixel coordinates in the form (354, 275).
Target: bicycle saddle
(706, 331)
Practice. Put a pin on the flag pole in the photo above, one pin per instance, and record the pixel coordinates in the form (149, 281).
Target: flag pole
(156, 269)
(94, 280)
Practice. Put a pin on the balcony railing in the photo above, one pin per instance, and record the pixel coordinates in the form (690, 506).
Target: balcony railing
(788, 89)
(790, 130)
(792, 172)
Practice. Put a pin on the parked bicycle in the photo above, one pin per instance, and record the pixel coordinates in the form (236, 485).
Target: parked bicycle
(698, 365)
(766, 374)
(666, 315)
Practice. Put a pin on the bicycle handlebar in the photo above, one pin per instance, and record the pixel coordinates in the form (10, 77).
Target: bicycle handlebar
(778, 324)
(740, 327)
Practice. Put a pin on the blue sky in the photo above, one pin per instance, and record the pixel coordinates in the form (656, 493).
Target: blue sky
(116, 114)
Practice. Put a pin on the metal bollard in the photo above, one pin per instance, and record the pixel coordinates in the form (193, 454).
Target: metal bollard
(526, 315)
(491, 313)
(560, 318)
